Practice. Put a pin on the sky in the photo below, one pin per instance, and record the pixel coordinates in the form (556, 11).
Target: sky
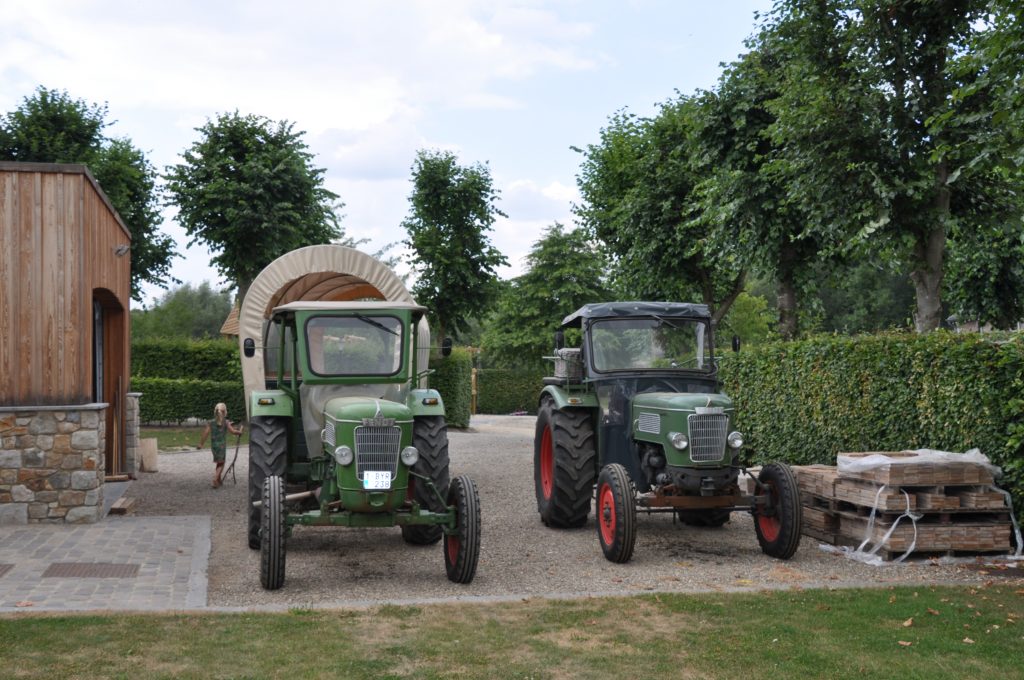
(513, 84)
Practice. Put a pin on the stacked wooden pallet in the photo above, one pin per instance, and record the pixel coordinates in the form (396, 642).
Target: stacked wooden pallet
(954, 506)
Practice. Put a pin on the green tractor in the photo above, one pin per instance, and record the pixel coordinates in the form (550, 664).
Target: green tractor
(342, 436)
(636, 411)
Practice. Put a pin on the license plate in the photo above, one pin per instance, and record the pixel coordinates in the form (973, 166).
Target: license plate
(374, 479)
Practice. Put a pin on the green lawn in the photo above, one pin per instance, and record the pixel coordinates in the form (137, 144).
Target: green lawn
(172, 437)
(906, 633)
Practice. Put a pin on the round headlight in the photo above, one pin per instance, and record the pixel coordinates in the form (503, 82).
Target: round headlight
(735, 440)
(343, 455)
(410, 455)
(678, 440)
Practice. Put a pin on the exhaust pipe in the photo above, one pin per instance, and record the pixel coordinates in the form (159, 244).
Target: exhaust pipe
(291, 497)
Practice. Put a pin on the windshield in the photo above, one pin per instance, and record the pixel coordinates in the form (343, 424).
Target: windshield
(354, 345)
(648, 344)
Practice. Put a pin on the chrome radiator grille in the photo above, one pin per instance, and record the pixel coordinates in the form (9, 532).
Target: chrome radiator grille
(377, 449)
(707, 437)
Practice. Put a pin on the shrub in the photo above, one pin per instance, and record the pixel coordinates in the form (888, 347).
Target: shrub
(804, 402)
(506, 390)
(453, 377)
(166, 400)
(216, 360)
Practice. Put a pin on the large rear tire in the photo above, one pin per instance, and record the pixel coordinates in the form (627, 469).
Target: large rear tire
(268, 446)
(564, 464)
(778, 527)
(462, 549)
(430, 437)
(272, 534)
(616, 513)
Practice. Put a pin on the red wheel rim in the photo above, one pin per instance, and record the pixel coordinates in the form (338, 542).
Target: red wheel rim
(606, 514)
(451, 544)
(770, 527)
(769, 524)
(547, 464)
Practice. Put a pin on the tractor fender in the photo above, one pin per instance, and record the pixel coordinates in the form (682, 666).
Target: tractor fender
(274, 403)
(566, 399)
(425, 402)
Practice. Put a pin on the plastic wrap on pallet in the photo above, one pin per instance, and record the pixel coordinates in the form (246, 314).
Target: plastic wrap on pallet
(854, 464)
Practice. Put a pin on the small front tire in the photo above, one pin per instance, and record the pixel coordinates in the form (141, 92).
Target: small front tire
(462, 548)
(272, 534)
(779, 526)
(616, 513)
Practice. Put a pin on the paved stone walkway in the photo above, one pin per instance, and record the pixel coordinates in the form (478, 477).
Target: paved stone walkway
(120, 563)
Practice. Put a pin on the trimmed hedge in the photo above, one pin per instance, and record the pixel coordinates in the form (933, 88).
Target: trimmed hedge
(216, 360)
(166, 400)
(505, 390)
(453, 377)
(804, 402)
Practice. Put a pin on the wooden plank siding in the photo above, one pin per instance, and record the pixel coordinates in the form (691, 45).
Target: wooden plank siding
(58, 236)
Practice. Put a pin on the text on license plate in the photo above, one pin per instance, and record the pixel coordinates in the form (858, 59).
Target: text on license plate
(374, 479)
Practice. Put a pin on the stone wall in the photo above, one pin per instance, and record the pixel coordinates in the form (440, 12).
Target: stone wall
(132, 455)
(51, 464)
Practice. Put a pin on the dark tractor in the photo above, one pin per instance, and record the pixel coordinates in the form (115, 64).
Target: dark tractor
(636, 411)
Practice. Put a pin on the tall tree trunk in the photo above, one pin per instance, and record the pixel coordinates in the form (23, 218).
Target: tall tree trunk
(929, 251)
(786, 291)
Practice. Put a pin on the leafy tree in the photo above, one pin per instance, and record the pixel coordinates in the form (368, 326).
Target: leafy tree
(869, 160)
(51, 127)
(184, 312)
(564, 271)
(638, 187)
(452, 209)
(248, 190)
(750, 319)
(863, 296)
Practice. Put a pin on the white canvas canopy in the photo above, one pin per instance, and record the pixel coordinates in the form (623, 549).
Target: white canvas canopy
(316, 273)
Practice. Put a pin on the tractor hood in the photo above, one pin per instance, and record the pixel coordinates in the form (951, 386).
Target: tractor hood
(356, 409)
(680, 401)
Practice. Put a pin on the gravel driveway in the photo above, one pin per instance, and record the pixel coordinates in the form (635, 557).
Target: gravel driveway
(519, 556)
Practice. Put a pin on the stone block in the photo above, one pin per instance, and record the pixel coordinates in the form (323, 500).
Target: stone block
(21, 494)
(38, 484)
(9, 476)
(57, 512)
(38, 510)
(82, 480)
(5, 496)
(47, 496)
(71, 498)
(31, 474)
(60, 480)
(33, 458)
(43, 423)
(72, 461)
(85, 440)
(44, 442)
(8, 442)
(73, 417)
(10, 459)
(83, 515)
(66, 427)
(14, 513)
(62, 443)
(94, 496)
(26, 441)
(90, 419)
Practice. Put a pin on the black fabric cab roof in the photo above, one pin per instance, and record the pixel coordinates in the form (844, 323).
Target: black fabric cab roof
(627, 309)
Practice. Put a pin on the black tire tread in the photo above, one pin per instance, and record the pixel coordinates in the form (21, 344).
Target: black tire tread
(272, 534)
(787, 492)
(430, 437)
(624, 501)
(463, 495)
(574, 449)
(268, 455)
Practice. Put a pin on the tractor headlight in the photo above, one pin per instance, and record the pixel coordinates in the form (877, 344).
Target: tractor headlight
(678, 440)
(735, 440)
(343, 455)
(410, 455)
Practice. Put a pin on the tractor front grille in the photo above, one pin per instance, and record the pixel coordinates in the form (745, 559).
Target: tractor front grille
(707, 436)
(377, 449)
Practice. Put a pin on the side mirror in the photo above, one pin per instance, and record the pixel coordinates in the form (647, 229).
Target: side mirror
(249, 348)
(735, 343)
(559, 339)
(446, 347)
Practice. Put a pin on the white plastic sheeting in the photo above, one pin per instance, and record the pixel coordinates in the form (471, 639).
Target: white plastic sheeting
(880, 460)
(325, 272)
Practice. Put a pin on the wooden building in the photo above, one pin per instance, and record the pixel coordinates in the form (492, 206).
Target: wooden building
(64, 309)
